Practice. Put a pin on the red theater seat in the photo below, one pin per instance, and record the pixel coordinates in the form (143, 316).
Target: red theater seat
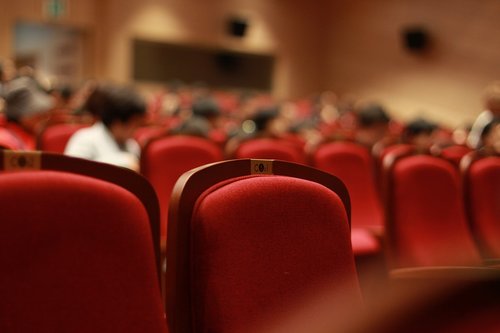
(9, 140)
(426, 218)
(455, 153)
(279, 149)
(482, 190)
(355, 166)
(251, 240)
(166, 158)
(79, 247)
(54, 138)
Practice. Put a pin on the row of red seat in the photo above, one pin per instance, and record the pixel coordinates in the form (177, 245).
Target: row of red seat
(251, 245)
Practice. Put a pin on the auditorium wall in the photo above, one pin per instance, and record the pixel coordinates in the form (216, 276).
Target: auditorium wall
(81, 15)
(366, 56)
(288, 29)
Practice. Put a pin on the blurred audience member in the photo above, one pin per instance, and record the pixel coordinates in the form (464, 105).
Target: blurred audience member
(492, 109)
(372, 124)
(120, 111)
(420, 133)
(203, 121)
(490, 138)
(26, 108)
(267, 122)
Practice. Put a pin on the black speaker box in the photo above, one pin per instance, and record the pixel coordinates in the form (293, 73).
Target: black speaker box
(237, 27)
(415, 39)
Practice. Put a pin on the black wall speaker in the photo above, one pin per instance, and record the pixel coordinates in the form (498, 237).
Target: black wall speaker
(415, 39)
(237, 27)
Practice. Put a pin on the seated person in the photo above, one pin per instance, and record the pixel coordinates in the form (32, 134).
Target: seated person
(26, 108)
(490, 138)
(491, 101)
(267, 122)
(120, 111)
(204, 118)
(372, 125)
(421, 134)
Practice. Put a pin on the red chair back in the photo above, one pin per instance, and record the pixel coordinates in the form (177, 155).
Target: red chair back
(427, 224)
(354, 165)
(9, 140)
(54, 138)
(482, 186)
(268, 148)
(455, 153)
(164, 159)
(77, 247)
(249, 241)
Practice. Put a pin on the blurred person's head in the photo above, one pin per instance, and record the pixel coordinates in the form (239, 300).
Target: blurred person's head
(25, 104)
(267, 121)
(420, 132)
(372, 124)
(121, 110)
(208, 109)
(492, 97)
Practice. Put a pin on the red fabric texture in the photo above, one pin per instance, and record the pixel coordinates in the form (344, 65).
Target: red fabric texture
(166, 159)
(9, 140)
(267, 148)
(27, 140)
(262, 245)
(429, 222)
(55, 137)
(354, 165)
(76, 255)
(484, 196)
(455, 153)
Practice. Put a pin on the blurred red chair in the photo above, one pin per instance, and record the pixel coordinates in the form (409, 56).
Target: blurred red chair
(426, 223)
(270, 148)
(166, 158)
(482, 192)
(79, 247)
(9, 140)
(454, 153)
(250, 240)
(355, 166)
(53, 138)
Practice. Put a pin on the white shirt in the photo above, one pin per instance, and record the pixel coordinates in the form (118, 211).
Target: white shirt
(96, 143)
(474, 138)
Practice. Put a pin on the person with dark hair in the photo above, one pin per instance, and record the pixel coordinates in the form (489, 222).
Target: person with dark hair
(205, 114)
(420, 133)
(120, 111)
(266, 122)
(372, 124)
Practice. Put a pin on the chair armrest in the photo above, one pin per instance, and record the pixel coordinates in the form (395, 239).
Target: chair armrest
(445, 273)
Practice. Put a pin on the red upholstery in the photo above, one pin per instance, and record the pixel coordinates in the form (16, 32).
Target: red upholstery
(428, 225)
(483, 184)
(55, 137)
(354, 165)
(259, 247)
(76, 255)
(166, 158)
(271, 149)
(455, 153)
(9, 140)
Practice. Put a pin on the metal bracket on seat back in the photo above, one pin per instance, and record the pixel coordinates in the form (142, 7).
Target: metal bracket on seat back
(261, 167)
(21, 160)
